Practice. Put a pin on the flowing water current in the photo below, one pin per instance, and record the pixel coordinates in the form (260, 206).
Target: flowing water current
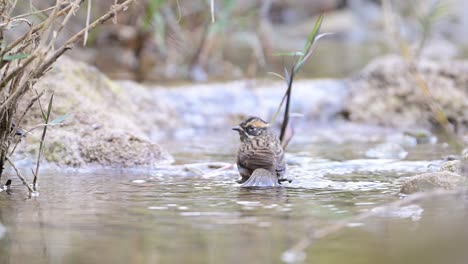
(194, 212)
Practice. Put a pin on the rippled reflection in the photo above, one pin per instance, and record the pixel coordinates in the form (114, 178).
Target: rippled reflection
(179, 214)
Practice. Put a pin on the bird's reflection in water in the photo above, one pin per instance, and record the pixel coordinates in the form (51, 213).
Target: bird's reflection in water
(265, 196)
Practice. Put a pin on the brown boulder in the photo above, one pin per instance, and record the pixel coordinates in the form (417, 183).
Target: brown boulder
(106, 127)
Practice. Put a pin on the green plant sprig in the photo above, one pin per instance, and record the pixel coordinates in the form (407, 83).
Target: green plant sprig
(303, 56)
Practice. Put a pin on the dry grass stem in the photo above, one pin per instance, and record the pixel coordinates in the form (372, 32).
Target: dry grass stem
(26, 60)
(33, 13)
(20, 176)
(18, 41)
(88, 17)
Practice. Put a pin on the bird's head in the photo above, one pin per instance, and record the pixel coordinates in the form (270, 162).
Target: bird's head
(252, 127)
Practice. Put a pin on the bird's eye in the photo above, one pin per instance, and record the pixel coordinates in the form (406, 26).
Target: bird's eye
(250, 128)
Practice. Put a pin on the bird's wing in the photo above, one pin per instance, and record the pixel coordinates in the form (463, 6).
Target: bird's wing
(261, 158)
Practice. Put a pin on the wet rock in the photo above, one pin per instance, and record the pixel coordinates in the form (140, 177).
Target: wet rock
(107, 127)
(451, 166)
(459, 166)
(261, 178)
(433, 180)
(387, 151)
(386, 93)
(121, 149)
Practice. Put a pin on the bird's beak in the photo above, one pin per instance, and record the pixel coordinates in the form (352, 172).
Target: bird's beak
(237, 128)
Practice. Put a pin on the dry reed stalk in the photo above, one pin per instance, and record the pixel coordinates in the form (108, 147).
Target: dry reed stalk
(21, 70)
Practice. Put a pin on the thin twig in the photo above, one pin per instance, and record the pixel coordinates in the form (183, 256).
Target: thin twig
(88, 16)
(75, 6)
(12, 24)
(26, 75)
(278, 110)
(15, 72)
(68, 45)
(15, 95)
(179, 11)
(23, 180)
(32, 129)
(284, 125)
(33, 13)
(34, 30)
(212, 7)
(31, 103)
(41, 144)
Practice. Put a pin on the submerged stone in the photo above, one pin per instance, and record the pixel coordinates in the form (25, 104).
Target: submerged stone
(261, 178)
(433, 180)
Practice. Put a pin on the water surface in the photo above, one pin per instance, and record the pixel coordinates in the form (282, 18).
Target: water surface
(181, 214)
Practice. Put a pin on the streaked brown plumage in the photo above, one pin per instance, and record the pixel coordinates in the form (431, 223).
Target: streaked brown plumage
(260, 148)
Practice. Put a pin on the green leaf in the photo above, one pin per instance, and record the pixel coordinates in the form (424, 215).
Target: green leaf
(49, 109)
(310, 41)
(15, 57)
(313, 34)
(60, 119)
(43, 116)
(311, 50)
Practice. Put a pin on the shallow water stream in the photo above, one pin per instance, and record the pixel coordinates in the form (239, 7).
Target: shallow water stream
(181, 214)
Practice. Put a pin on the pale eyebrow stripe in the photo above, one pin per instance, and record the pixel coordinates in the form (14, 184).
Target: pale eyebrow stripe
(257, 123)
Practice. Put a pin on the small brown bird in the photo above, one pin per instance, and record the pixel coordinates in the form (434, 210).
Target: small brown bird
(260, 148)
